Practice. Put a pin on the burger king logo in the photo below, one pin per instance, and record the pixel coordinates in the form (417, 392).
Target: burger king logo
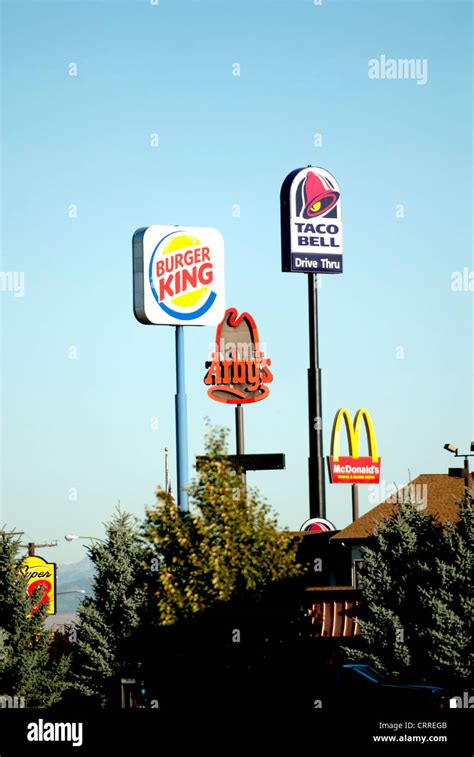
(178, 275)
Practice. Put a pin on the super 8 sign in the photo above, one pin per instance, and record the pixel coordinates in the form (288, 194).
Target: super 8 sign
(41, 575)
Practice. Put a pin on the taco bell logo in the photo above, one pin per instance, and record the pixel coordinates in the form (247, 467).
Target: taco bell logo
(178, 275)
(315, 195)
(311, 222)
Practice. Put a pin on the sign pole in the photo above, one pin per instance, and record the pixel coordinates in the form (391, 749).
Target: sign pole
(181, 421)
(310, 215)
(317, 488)
(355, 502)
(239, 435)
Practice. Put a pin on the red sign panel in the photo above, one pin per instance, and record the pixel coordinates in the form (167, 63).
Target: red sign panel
(354, 470)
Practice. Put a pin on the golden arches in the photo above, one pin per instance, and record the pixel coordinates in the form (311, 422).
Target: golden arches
(353, 434)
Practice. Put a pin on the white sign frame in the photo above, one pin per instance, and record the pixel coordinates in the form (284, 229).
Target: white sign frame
(152, 304)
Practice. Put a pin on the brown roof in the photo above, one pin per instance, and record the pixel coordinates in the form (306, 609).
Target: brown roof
(436, 494)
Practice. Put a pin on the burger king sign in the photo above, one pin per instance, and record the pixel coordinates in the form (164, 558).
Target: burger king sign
(178, 276)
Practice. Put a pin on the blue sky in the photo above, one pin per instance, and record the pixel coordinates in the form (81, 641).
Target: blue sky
(87, 424)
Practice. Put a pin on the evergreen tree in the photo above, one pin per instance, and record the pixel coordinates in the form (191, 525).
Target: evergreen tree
(416, 586)
(26, 667)
(227, 545)
(450, 603)
(108, 619)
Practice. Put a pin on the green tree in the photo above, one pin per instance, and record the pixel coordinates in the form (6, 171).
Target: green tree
(226, 546)
(108, 618)
(26, 667)
(450, 603)
(416, 585)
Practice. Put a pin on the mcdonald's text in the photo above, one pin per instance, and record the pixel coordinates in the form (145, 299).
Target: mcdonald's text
(354, 470)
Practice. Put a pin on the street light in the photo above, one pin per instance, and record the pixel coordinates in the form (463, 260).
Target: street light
(72, 537)
(452, 448)
(465, 471)
(73, 591)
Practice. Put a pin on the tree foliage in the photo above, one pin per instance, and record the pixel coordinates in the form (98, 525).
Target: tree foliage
(417, 583)
(108, 618)
(26, 667)
(226, 546)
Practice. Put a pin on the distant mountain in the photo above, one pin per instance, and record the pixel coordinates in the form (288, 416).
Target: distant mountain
(74, 577)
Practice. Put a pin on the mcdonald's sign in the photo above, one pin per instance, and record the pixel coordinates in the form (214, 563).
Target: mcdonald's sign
(352, 468)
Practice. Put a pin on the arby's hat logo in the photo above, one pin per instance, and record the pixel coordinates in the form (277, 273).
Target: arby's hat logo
(315, 196)
(238, 372)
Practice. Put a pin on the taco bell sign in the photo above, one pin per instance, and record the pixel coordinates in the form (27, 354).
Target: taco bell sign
(178, 276)
(311, 223)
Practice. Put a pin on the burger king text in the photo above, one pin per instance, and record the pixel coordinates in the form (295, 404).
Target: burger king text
(178, 272)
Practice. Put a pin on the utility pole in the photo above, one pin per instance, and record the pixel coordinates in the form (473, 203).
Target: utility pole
(31, 547)
(12, 533)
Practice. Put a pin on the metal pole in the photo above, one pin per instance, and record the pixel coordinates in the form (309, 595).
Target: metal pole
(466, 475)
(181, 422)
(355, 502)
(167, 472)
(239, 435)
(317, 487)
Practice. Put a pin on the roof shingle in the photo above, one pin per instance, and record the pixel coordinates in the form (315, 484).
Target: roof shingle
(435, 493)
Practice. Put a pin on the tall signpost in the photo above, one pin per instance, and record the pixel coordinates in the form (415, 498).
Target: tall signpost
(311, 243)
(181, 418)
(178, 280)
